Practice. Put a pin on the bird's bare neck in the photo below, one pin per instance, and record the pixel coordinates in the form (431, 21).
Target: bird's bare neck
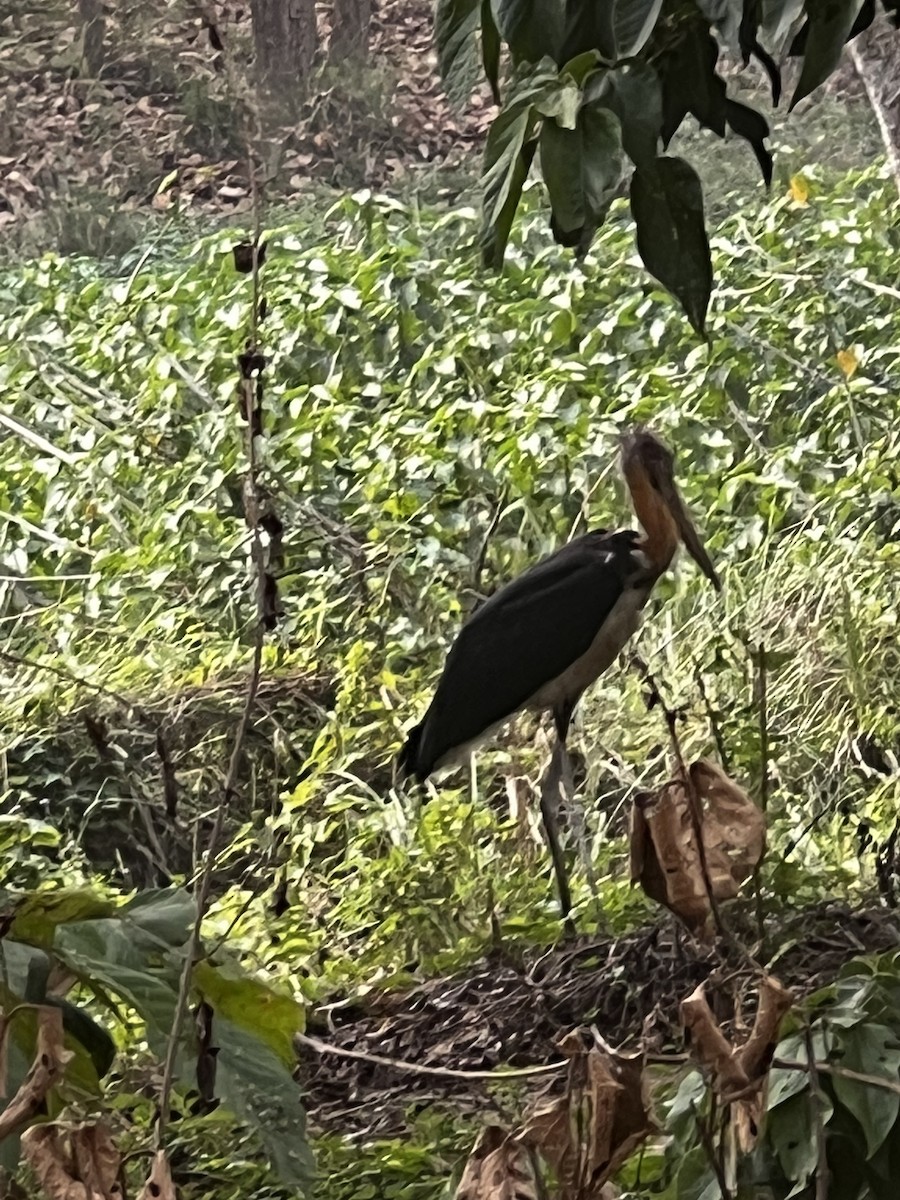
(660, 540)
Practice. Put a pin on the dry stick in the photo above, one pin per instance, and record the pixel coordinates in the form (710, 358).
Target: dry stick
(396, 1064)
(713, 722)
(817, 1100)
(204, 881)
(876, 1081)
(710, 1151)
(873, 92)
(763, 700)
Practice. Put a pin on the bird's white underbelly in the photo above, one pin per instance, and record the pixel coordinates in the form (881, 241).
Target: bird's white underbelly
(614, 633)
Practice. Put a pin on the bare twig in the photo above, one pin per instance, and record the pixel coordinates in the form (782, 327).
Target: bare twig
(481, 558)
(876, 1081)
(873, 92)
(763, 704)
(248, 384)
(397, 1064)
(714, 727)
(710, 1150)
(817, 1101)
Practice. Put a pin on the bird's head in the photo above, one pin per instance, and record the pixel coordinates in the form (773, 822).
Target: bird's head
(648, 463)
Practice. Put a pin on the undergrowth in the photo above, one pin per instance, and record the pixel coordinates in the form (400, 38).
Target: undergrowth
(413, 407)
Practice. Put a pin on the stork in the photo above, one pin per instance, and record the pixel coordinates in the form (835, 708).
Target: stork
(539, 642)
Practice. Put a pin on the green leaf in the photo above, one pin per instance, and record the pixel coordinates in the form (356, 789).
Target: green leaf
(829, 25)
(634, 94)
(250, 1004)
(667, 203)
(582, 168)
(164, 914)
(508, 155)
(690, 84)
(792, 1135)
(455, 25)
(617, 29)
(754, 128)
(533, 29)
(39, 915)
(490, 49)
(870, 1050)
(257, 1087)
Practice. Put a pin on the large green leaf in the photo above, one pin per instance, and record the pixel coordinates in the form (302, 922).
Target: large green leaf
(582, 169)
(829, 25)
(749, 124)
(617, 28)
(509, 153)
(532, 29)
(136, 955)
(39, 915)
(667, 203)
(490, 48)
(634, 94)
(254, 1083)
(456, 23)
(690, 84)
(250, 1004)
(870, 1050)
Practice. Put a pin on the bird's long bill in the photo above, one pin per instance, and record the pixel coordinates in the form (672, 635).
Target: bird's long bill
(691, 538)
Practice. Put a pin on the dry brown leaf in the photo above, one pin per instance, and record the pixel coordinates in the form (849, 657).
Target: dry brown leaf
(709, 1045)
(665, 855)
(734, 828)
(499, 1168)
(49, 1063)
(739, 1074)
(774, 1002)
(77, 1164)
(97, 1160)
(159, 1184)
(588, 1133)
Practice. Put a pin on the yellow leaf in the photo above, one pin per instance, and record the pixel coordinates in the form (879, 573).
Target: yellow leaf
(848, 362)
(799, 190)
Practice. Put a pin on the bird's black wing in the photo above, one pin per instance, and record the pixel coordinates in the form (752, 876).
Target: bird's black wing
(524, 636)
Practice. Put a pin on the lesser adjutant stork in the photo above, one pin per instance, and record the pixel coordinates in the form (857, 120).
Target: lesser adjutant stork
(544, 638)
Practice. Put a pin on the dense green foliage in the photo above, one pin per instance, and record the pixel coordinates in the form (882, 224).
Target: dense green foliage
(595, 90)
(411, 408)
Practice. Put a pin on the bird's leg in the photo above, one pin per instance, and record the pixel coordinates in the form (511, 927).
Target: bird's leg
(556, 772)
(574, 809)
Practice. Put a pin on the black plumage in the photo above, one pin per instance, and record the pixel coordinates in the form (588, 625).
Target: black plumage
(526, 635)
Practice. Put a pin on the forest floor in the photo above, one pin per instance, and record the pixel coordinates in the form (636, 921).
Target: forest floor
(160, 127)
(509, 1012)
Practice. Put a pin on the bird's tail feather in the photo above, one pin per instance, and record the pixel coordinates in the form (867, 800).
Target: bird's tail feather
(408, 758)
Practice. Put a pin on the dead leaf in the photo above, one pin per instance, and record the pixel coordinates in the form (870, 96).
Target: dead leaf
(665, 855)
(709, 1046)
(847, 361)
(74, 1164)
(499, 1168)
(799, 191)
(159, 1184)
(49, 1063)
(587, 1133)
(739, 1074)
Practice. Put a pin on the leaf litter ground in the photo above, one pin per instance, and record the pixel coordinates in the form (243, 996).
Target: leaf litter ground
(504, 1013)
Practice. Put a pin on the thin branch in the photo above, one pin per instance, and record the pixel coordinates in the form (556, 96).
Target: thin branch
(817, 1101)
(397, 1064)
(873, 92)
(763, 704)
(248, 384)
(876, 1081)
(709, 1149)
